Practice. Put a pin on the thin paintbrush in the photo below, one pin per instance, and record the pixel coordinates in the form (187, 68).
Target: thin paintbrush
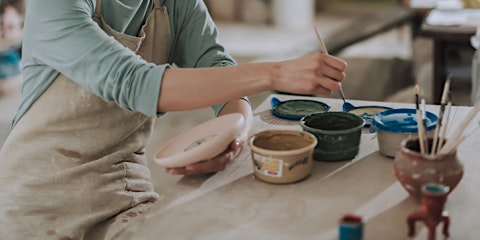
(443, 103)
(424, 123)
(458, 132)
(448, 110)
(451, 147)
(419, 120)
(324, 50)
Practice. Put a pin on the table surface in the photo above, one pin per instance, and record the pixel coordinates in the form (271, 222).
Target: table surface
(455, 25)
(232, 204)
(451, 33)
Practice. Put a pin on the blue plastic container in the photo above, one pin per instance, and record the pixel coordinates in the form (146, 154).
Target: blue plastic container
(395, 125)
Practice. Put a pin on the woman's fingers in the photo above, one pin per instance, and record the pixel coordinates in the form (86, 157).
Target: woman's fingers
(316, 73)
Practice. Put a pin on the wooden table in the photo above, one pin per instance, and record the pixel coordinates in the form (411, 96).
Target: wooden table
(443, 37)
(232, 204)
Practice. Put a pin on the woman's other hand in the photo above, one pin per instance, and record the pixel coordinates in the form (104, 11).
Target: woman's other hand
(220, 162)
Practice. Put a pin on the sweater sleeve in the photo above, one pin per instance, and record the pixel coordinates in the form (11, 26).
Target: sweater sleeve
(196, 44)
(63, 36)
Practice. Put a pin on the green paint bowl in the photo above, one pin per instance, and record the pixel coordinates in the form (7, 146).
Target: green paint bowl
(338, 134)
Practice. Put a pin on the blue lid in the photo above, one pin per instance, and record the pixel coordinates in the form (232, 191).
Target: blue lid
(295, 109)
(402, 120)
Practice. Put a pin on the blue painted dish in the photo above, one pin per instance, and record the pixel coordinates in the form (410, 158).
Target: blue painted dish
(366, 112)
(297, 108)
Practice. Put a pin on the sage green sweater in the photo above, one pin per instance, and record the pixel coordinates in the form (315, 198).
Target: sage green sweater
(61, 37)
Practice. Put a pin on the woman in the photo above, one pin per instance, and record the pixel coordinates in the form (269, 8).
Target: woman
(96, 74)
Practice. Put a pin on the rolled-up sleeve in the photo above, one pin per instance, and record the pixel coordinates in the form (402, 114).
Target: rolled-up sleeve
(63, 36)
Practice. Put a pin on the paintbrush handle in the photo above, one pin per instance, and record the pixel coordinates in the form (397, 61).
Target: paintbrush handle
(342, 94)
(458, 133)
(325, 51)
(420, 132)
(437, 129)
(445, 126)
(423, 112)
(446, 89)
(453, 146)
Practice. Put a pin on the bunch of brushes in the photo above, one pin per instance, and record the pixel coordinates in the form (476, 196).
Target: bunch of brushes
(441, 145)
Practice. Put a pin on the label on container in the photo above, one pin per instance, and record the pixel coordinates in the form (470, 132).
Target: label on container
(268, 166)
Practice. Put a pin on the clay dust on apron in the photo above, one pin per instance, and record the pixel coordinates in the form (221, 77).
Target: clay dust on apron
(74, 166)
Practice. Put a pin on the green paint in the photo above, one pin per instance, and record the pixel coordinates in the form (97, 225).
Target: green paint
(300, 108)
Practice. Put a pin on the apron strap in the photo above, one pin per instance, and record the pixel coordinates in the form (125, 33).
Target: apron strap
(98, 8)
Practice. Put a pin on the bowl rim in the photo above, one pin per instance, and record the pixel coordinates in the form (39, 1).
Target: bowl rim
(226, 128)
(379, 123)
(343, 131)
(256, 149)
(276, 103)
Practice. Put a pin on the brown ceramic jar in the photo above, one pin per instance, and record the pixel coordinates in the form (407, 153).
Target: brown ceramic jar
(414, 169)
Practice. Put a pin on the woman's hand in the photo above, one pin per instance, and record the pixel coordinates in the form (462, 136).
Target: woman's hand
(316, 73)
(219, 162)
(215, 164)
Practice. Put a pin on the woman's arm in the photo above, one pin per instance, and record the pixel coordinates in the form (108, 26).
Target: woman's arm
(184, 89)
(207, 75)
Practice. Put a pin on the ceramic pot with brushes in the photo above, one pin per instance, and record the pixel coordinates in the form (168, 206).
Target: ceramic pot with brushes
(414, 169)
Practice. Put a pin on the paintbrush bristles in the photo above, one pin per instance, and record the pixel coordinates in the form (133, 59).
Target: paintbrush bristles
(446, 89)
(417, 99)
(460, 134)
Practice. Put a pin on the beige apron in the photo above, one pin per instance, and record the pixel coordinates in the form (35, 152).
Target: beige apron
(74, 166)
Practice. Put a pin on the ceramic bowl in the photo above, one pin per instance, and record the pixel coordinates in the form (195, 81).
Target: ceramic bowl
(282, 156)
(202, 142)
(338, 134)
(395, 125)
(367, 112)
